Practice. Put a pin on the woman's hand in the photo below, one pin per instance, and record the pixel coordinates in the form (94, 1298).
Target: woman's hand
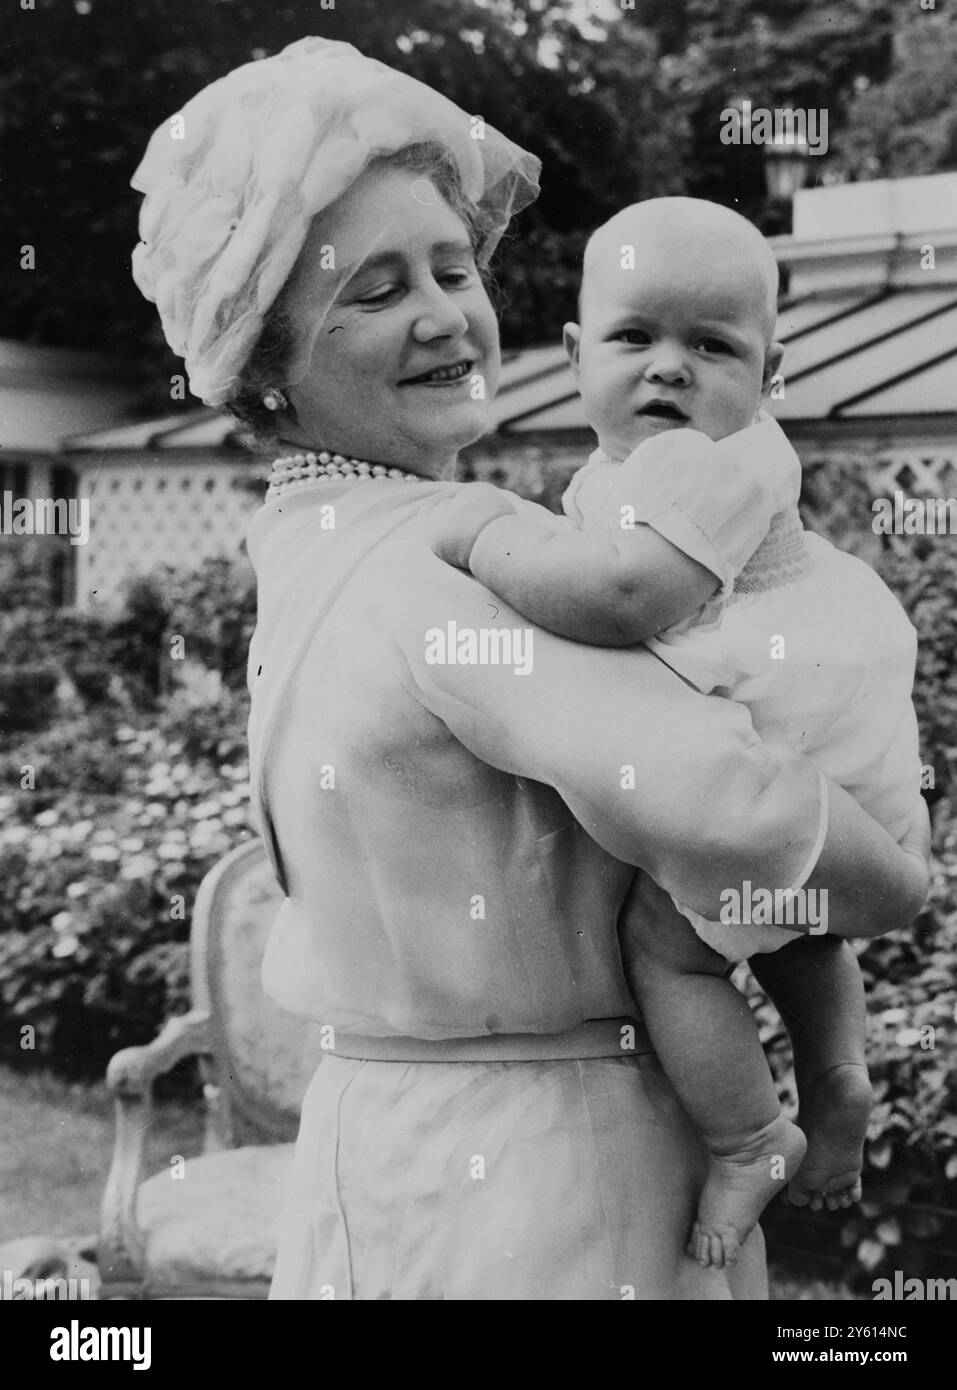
(459, 521)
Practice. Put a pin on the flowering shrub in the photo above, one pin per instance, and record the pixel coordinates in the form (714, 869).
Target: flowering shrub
(101, 867)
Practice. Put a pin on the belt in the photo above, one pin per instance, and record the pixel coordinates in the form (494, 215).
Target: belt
(597, 1037)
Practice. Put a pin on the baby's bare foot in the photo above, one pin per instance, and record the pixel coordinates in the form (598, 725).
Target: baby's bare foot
(834, 1113)
(737, 1189)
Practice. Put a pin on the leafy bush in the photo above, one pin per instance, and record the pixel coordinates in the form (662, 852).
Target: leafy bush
(117, 809)
(925, 581)
(99, 885)
(28, 695)
(214, 610)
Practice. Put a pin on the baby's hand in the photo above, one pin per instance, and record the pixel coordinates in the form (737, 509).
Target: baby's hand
(459, 520)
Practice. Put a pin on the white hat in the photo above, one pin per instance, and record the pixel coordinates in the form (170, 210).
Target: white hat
(233, 181)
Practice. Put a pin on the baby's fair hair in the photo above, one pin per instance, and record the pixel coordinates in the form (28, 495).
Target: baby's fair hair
(677, 218)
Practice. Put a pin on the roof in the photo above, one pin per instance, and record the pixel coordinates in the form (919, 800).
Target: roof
(851, 355)
(855, 354)
(892, 352)
(37, 367)
(194, 428)
(47, 393)
(870, 329)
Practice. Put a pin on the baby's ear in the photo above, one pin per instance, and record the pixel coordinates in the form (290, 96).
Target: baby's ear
(772, 362)
(572, 338)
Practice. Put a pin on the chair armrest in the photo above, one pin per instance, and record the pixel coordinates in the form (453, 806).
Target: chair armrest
(131, 1073)
(130, 1076)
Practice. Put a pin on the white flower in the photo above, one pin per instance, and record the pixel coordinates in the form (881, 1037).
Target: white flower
(77, 890)
(17, 834)
(131, 845)
(206, 831)
(46, 818)
(66, 946)
(104, 854)
(61, 921)
(143, 866)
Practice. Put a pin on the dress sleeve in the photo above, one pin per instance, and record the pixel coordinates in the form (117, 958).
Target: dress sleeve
(660, 776)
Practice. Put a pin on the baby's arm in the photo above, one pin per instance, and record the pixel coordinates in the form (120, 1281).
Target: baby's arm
(683, 514)
(611, 591)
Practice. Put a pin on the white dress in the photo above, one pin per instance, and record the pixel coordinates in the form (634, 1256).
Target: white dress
(809, 639)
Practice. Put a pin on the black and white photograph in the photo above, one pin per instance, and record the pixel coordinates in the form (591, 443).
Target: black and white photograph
(478, 664)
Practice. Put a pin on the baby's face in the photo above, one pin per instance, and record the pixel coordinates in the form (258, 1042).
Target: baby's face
(680, 341)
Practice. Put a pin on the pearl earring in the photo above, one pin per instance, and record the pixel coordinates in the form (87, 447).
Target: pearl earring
(275, 400)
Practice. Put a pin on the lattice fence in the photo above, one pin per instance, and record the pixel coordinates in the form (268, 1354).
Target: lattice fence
(156, 514)
(840, 488)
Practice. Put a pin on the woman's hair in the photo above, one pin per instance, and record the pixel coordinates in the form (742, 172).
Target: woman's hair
(268, 362)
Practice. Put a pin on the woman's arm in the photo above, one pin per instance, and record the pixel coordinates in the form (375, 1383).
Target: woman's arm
(884, 895)
(659, 775)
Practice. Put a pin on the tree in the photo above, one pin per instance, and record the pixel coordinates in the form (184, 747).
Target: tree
(88, 83)
(810, 54)
(907, 124)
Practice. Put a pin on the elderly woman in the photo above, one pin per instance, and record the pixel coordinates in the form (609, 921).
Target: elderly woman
(454, 802)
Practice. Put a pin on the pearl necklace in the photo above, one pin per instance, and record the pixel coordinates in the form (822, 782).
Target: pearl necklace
(298, 470)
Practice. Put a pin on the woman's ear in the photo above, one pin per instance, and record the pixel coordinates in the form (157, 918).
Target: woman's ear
(572, 338)
(772, 362)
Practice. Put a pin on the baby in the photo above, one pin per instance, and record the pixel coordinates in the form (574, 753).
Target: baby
(674, 355)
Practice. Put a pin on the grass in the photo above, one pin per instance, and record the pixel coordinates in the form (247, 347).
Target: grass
(58, 1145)
(787, 1287)
(57, 1148)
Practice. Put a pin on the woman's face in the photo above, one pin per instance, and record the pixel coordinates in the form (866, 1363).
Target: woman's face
(378, 385)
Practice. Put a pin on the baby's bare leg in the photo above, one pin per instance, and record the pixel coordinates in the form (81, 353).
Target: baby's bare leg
(816, 986)
(707, 1042)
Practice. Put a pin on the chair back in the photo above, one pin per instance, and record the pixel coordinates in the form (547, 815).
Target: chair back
(266, 1057)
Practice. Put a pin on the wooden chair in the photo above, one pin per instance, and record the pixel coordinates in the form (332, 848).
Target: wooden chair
(211, 1232)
